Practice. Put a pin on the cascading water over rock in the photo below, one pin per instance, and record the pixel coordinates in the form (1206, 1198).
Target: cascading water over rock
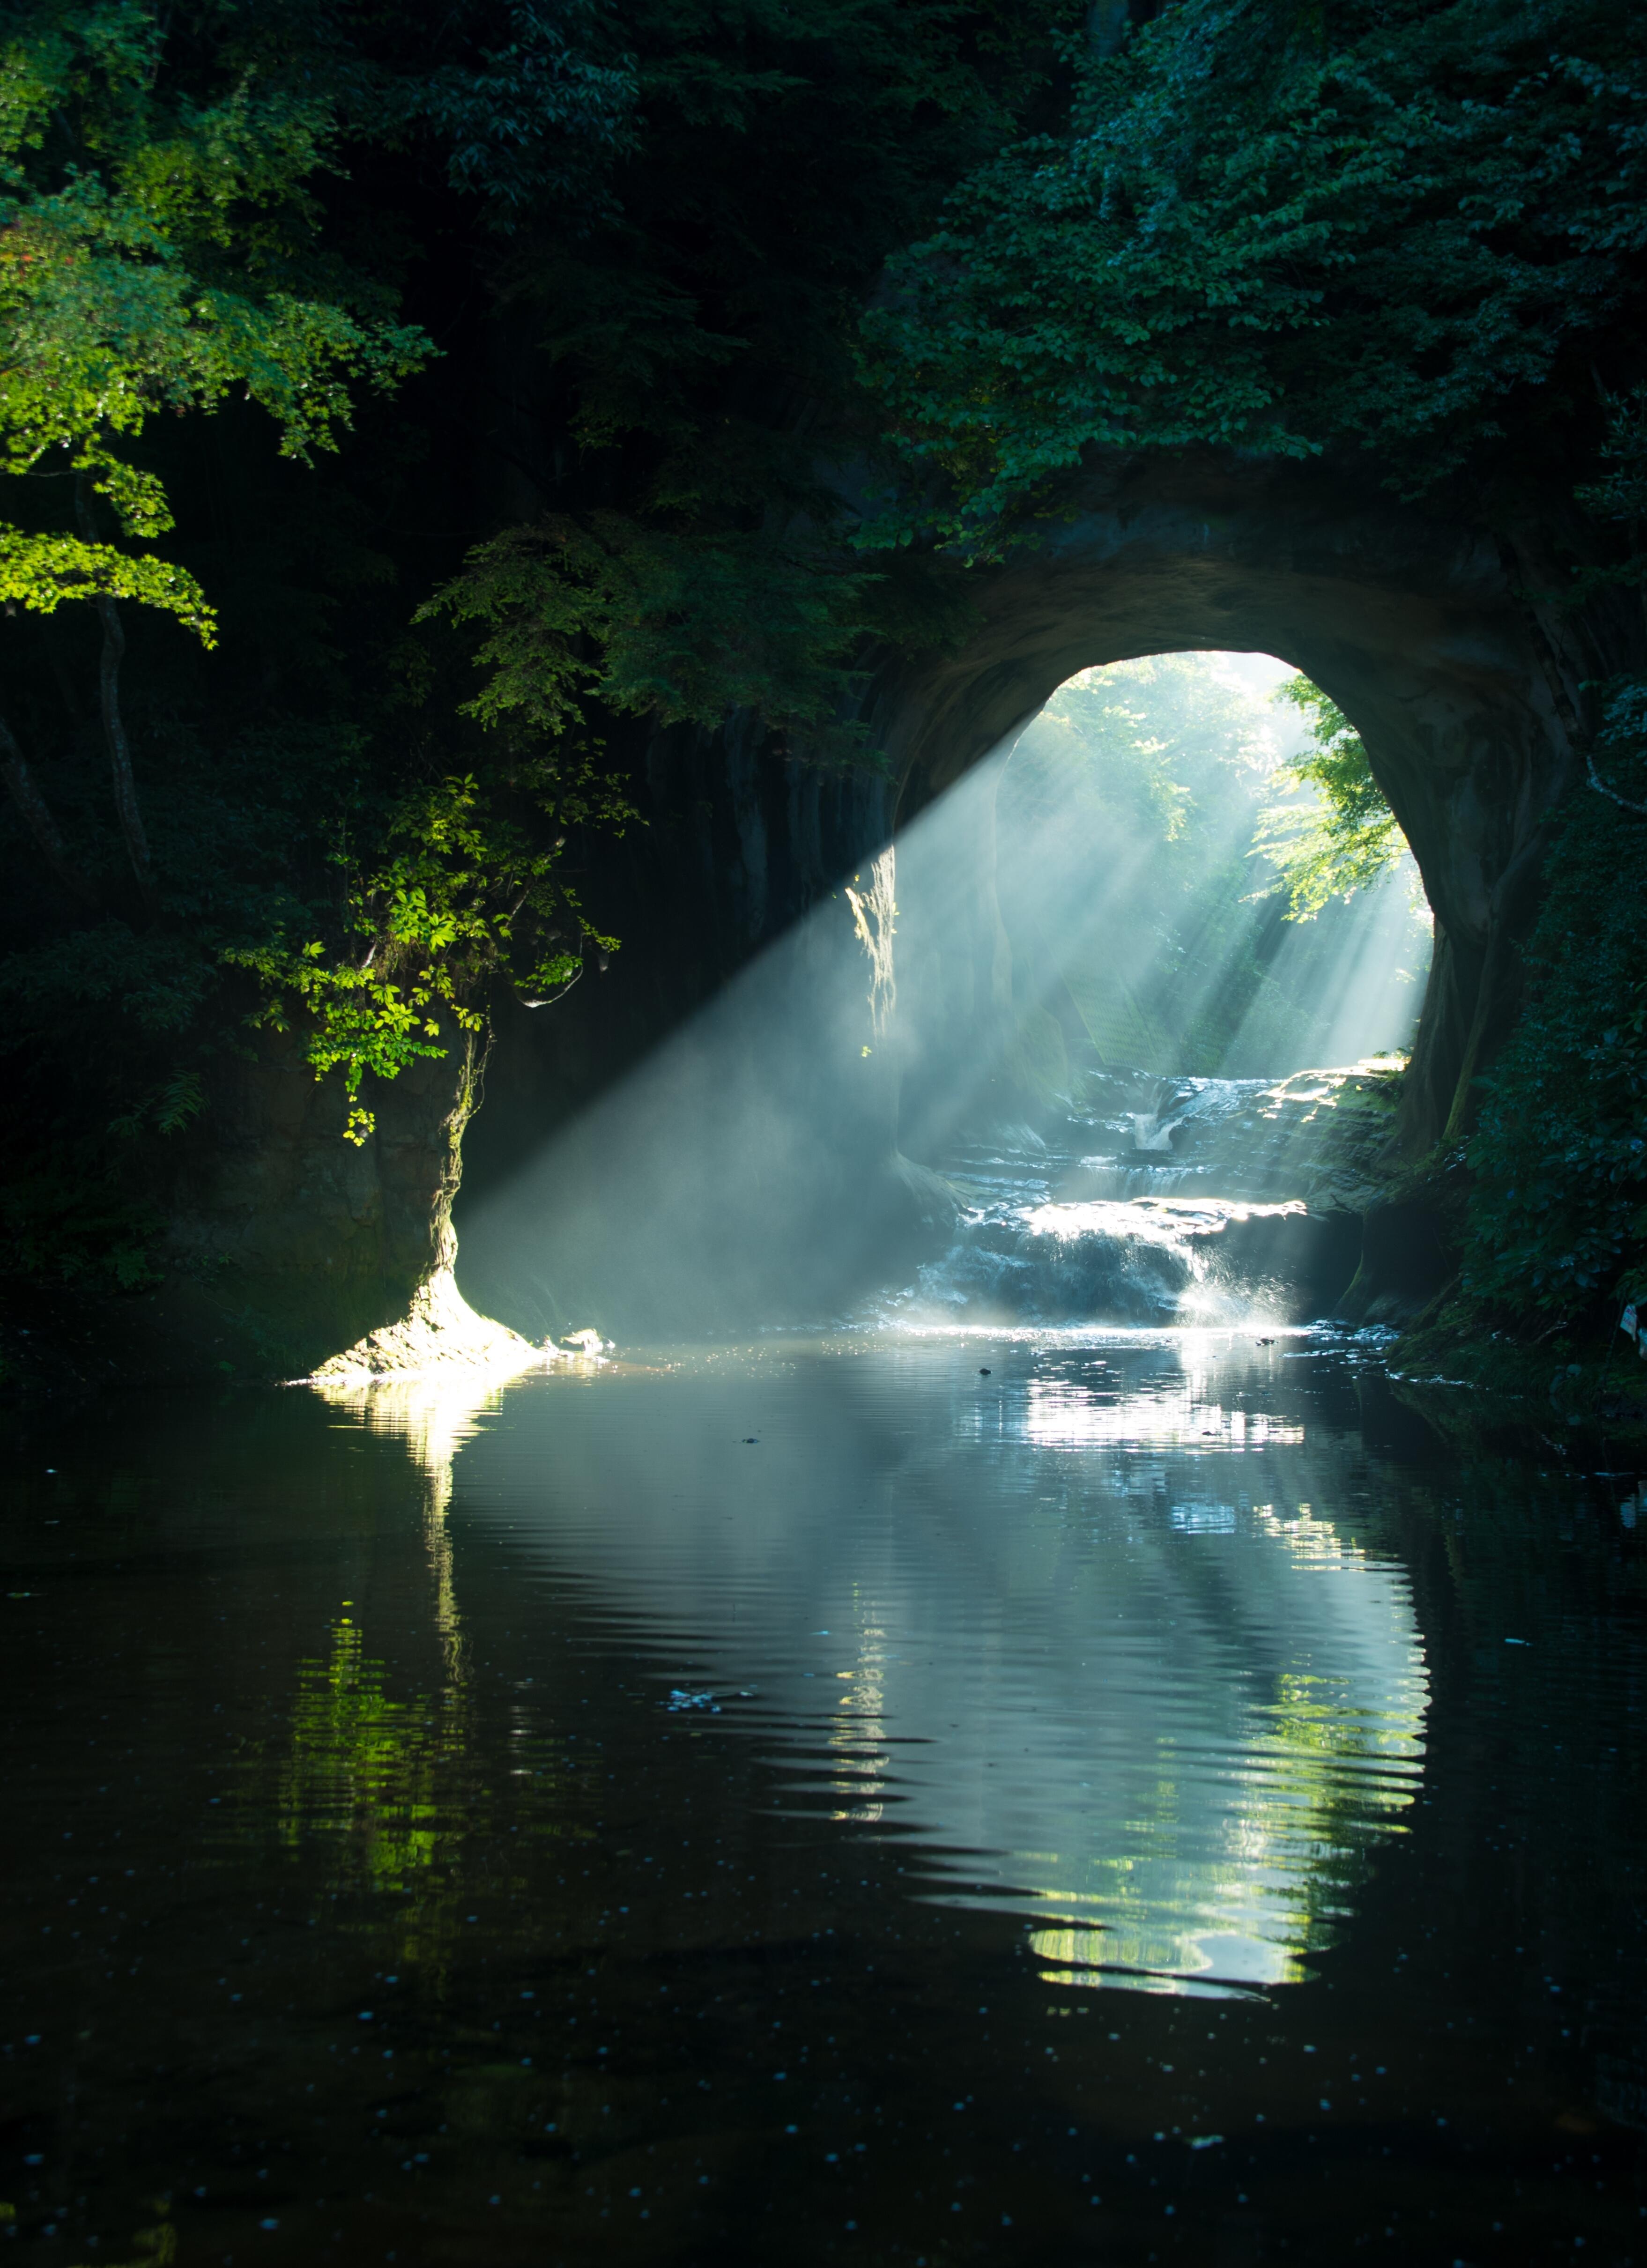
(1161, 1201)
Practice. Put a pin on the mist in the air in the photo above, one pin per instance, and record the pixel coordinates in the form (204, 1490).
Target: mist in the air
(1092, 897)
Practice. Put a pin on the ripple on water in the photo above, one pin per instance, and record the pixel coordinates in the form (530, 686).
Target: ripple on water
(1087, 1650)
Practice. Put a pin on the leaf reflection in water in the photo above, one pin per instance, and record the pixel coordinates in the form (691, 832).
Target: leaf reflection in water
(390, 1793)
(157, 2247)
(365, 1771)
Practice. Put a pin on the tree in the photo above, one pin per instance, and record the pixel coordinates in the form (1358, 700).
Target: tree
(1346, 837)
(1412, 229)
(425, 648)
(150, 240)
(696, 332)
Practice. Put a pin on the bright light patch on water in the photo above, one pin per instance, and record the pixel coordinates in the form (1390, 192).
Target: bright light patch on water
(1064, 1624)
(1067, 1414)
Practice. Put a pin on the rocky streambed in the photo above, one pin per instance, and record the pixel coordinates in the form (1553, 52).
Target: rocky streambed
(1165, 1200)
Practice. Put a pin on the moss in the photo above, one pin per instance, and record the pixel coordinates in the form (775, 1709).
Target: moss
(1566, 1384)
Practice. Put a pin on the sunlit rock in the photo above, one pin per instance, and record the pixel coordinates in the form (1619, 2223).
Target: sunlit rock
(440, 1331)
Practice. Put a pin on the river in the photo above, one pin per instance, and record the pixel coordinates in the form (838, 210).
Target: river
(916, 1795)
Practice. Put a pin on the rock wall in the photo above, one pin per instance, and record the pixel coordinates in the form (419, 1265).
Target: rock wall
(284, 1243)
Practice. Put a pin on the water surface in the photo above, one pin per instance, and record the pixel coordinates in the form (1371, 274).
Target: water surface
(1045, 1798)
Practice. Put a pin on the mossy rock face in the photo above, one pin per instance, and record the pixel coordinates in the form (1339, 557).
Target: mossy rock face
(267, 1185)
(1325, 1136)
(1328, 1135)
(1571, 1391)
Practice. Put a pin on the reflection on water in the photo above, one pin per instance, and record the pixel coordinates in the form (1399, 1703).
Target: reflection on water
(433, 1412)
(389, 1787)
(1153, 1696)
(705, 1809)
(1088, 1398)
(433, 1415)
(363, 1770)
(372, 1778)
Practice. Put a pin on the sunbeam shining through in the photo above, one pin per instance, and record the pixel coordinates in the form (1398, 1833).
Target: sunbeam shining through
(1071, 980)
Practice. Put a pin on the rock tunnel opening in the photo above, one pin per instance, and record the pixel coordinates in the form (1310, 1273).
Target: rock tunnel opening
(1411, 624)
(1157, 965)
(1180, 893)
(1067, 981)
(1181, 866)
(761, 1148)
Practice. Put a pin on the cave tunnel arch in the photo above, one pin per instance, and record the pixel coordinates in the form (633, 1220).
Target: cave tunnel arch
(1093, 886)
(731, 903)
(1410, 623)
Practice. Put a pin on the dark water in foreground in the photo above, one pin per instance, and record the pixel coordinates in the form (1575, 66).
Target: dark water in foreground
(1142, 1804)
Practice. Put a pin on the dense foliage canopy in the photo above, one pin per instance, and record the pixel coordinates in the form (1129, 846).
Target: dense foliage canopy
(345, 350)
(1391, 225)
(1559, 1207)
(1335, 833)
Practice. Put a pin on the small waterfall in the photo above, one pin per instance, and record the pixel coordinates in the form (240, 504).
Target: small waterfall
(1144, 1260)
(1158, 1201)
